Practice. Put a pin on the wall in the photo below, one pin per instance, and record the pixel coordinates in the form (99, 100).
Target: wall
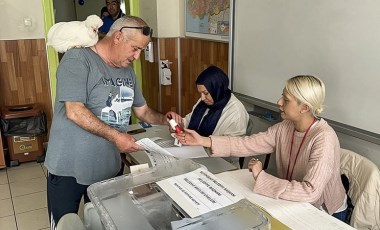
(195, 56)
(170, 93)
(16, 14)
(150, 80)
(338, 44)
(24, 75)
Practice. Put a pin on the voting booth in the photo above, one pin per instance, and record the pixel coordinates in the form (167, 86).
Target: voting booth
(143, 201)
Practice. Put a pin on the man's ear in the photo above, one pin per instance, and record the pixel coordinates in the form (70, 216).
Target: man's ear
(118, 37)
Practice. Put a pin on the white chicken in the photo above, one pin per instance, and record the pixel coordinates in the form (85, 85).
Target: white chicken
(66, 35)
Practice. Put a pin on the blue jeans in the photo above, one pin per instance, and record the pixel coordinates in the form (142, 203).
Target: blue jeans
(343, 215)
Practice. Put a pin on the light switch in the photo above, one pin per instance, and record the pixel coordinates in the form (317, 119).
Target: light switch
(27, 22)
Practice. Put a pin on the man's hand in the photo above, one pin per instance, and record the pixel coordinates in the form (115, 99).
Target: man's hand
(126, 143)
(175, 117)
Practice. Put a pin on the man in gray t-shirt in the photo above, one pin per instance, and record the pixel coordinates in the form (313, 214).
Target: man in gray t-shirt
(96, 94)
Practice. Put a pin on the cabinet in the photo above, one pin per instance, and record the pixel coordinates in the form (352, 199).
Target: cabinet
(165, 17)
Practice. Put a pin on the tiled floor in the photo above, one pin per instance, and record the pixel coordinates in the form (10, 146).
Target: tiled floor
(23, 203)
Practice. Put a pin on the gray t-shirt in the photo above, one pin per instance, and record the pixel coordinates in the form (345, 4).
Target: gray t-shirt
(109, 93)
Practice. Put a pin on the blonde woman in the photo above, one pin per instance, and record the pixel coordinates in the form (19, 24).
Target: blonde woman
(306, 148)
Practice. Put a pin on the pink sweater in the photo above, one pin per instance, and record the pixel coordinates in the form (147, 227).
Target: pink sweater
(316, 176)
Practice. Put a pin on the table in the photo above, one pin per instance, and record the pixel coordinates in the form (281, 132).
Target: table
(214, 164)
(303, 216)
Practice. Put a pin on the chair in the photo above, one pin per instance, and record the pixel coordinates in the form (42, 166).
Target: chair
(91, 217)
(248, 133)
(70, 221)
(364, 189)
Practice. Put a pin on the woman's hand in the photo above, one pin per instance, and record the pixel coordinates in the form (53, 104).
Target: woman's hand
(190, 137)
(255, 166)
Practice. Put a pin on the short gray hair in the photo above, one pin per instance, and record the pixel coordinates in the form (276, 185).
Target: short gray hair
(126, 21)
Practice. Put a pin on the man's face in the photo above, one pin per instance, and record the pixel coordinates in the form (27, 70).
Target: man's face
(128, 51)
(113, 7)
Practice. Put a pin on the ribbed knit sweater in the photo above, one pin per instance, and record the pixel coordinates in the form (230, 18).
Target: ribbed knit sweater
(316, 175)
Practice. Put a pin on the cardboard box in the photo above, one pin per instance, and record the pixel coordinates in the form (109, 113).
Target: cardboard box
(24, 149)
(24, 144)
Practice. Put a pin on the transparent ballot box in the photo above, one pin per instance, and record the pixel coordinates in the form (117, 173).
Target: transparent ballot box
(136, 202)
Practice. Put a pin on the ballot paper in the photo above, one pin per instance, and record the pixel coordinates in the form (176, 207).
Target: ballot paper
(161, 155)
(159, 159)
(150, 146)
(199, 192)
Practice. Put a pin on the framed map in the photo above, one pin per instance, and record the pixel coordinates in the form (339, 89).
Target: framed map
(208, 19)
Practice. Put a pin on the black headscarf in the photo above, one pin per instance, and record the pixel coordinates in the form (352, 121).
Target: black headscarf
(216, 83)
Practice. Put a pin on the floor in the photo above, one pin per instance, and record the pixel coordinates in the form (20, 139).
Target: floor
(23, 203)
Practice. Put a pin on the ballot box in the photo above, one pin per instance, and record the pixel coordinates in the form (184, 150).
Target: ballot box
(136, 201)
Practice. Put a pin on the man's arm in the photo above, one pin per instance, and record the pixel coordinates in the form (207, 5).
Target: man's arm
(80, 115)
(148, 115)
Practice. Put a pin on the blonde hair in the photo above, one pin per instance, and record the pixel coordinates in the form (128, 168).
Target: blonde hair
(309, 90)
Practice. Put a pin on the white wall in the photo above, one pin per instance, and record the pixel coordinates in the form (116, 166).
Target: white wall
(337, 41)
(15, 16)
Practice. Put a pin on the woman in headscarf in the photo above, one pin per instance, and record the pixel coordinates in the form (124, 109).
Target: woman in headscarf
(218, 112)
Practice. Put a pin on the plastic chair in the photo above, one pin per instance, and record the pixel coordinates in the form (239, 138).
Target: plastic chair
(91, 218)
(70, 221)
(364, 189)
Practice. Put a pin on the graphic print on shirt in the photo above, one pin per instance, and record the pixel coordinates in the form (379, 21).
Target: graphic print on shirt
(117, 110)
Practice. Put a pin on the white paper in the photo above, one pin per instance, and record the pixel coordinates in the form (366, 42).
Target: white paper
(159, 155)
(199, 192)
(150, 146)
(159, 159)
(295, 215)
(187, 151)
